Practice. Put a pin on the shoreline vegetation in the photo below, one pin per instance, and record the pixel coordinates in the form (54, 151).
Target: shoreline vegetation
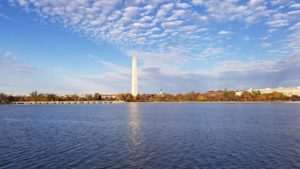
(191, 97)
(181, 102)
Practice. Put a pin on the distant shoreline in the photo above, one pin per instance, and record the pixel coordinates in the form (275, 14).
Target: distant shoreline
(223, 102)
(163, 102)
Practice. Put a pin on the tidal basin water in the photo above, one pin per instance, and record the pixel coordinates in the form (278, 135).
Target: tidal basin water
(150, 136)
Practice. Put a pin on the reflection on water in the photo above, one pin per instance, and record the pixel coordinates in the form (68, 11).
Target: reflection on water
(134, 124)
(135, 146)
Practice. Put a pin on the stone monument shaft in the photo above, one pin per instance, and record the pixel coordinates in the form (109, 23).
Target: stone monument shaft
(134, 83)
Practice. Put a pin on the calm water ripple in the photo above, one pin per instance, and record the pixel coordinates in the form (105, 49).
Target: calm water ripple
(150, 136)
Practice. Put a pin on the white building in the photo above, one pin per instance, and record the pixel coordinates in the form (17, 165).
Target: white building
(286, 91)
(238, 93)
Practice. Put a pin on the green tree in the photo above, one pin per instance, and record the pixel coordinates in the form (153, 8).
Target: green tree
(247, 96)
(202, 98)
(74, 97)
(260, 98)
(276, 96)
(97, 96)
(127, 97)
(3, 98)
(229, 96)
(34, 96)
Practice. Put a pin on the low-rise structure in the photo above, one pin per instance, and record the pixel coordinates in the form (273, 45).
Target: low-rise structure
(290, 91)
(239, 93)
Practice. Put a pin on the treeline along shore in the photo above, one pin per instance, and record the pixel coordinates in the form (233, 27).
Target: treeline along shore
(96, 98)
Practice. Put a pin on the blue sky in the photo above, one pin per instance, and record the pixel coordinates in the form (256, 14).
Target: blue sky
(84, 46)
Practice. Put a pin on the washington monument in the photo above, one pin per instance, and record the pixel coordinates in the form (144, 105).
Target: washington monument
(134, 83)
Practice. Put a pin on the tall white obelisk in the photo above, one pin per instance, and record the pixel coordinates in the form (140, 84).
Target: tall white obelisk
(134, 83)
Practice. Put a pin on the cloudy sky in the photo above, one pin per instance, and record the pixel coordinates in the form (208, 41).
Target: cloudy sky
(83, 46)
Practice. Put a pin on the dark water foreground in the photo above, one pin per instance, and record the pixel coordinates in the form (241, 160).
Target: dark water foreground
(150, 136)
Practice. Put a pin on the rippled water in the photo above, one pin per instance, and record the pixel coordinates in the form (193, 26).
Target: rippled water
(150, 136)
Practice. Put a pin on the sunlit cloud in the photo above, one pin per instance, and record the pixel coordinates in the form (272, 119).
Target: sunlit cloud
(168, 36)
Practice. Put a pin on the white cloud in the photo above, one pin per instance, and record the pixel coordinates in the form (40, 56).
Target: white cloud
(208, 52)
(223, 33)
(164, 10)
(130, 24)
(278, 23)
(197, 2)
(131, 12)
(293, 40)
(115, 67)
(183, 5)
(294, 13)
(246, 66)
(171, 24)
(296, 5)
(255, 2)
(265, 45)
(4, 16)
(126, 25)
(169, 34)
(10, 63)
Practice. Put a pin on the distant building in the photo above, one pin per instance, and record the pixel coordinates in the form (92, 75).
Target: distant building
(161, 92)
(214, 93)
(286, 91)
(108, 96)
(238, 93)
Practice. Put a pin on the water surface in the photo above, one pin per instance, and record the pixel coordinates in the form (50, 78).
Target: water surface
(150, 136)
